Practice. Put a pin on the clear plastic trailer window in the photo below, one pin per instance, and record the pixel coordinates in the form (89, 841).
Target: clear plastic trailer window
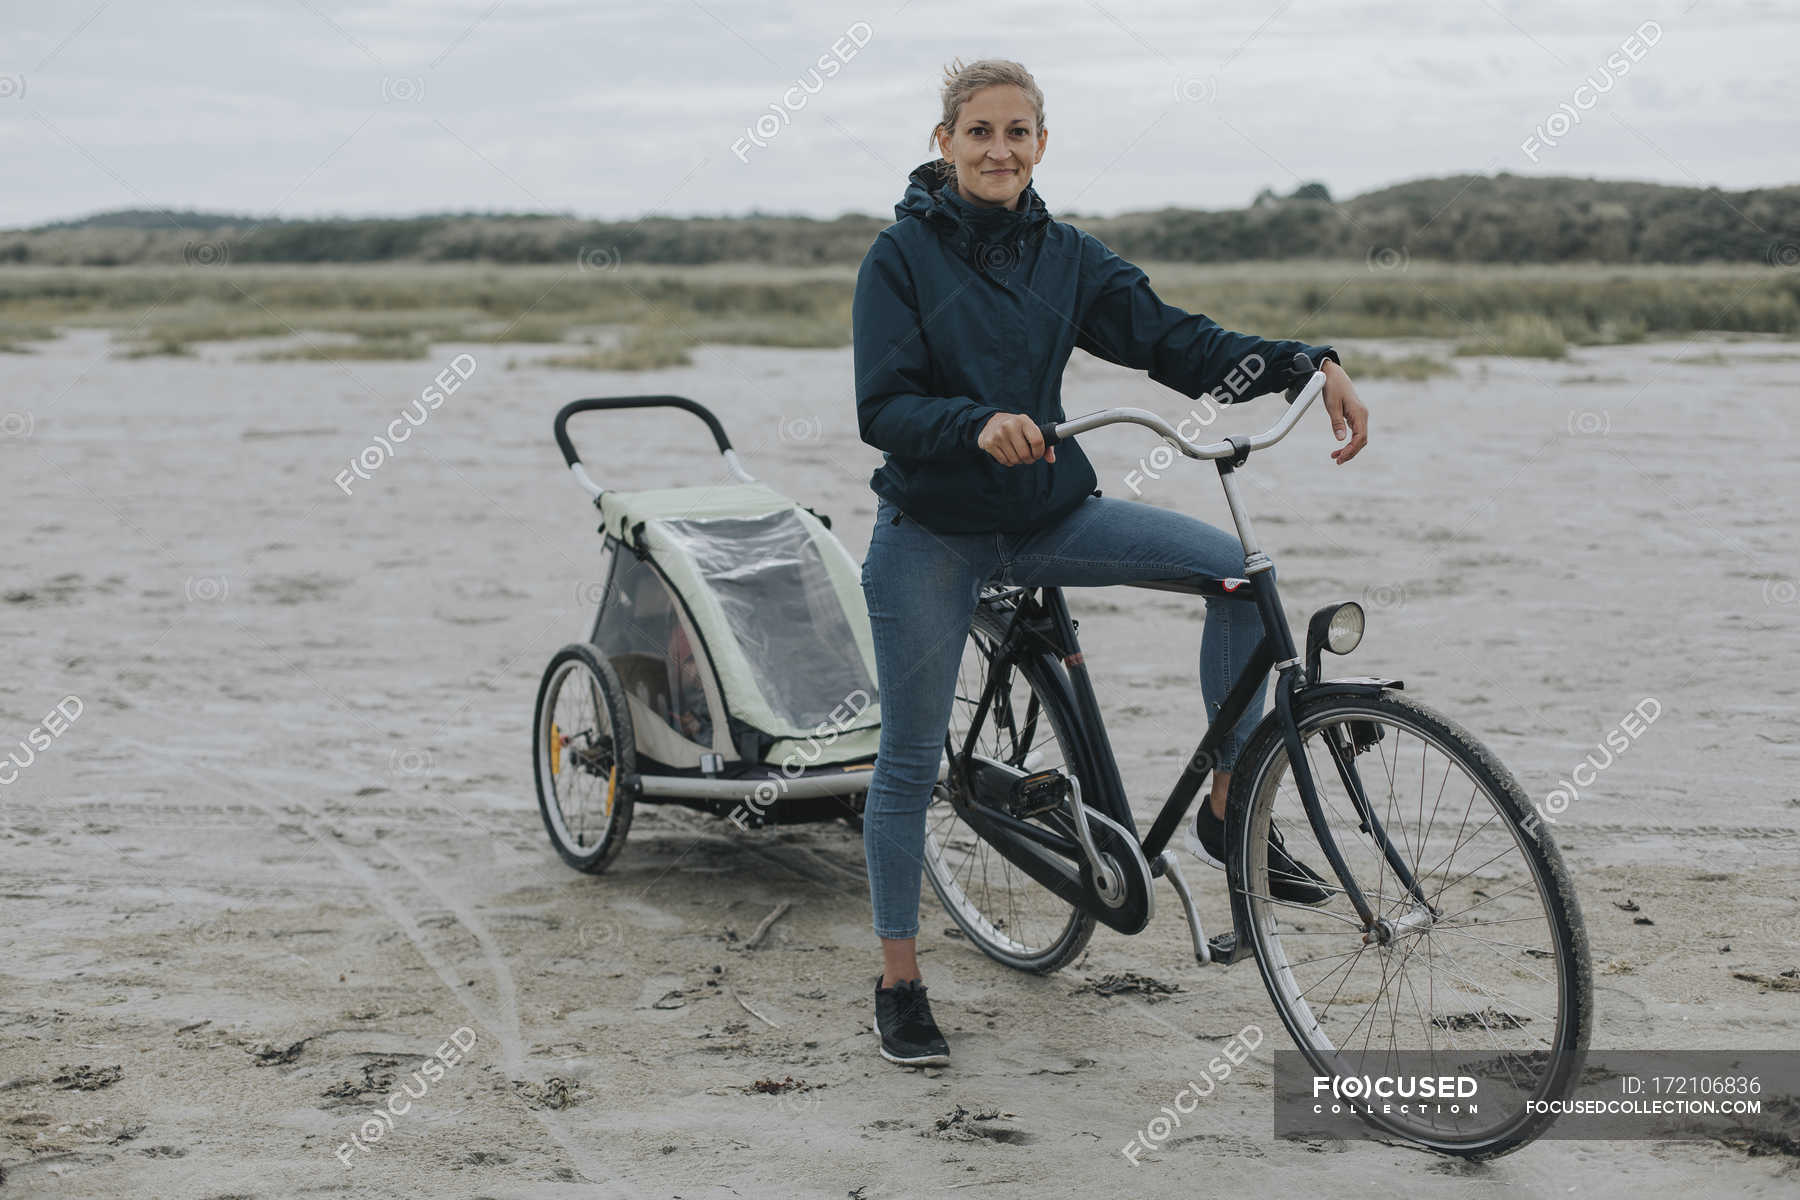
(778, 598)
(642, 636)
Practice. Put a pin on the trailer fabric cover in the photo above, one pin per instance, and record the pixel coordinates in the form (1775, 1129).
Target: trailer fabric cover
(778, 602)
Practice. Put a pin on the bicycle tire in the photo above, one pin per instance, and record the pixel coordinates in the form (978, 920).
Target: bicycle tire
(611, 748)
(1255, 786)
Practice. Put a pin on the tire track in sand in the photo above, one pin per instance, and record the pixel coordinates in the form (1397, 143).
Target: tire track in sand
(505, 1030)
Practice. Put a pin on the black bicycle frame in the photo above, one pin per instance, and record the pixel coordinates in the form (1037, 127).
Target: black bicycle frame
(1049, 622)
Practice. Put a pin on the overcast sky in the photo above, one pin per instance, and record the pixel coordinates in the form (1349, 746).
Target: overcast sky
(617, 110)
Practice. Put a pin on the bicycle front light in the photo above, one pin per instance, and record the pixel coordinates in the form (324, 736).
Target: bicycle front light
(1337, 628)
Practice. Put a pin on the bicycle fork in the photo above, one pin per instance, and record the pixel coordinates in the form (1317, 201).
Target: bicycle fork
(1376, 928)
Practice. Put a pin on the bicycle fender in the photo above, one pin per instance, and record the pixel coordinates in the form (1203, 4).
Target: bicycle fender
(1327, 689)
(1351, 685)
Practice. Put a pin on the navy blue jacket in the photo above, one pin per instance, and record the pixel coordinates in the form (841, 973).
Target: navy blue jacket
(961, 312)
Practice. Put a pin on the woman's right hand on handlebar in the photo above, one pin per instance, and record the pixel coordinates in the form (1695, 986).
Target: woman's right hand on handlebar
(1014, 439)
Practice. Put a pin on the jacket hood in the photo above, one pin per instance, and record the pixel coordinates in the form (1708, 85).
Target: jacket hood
(932, 196)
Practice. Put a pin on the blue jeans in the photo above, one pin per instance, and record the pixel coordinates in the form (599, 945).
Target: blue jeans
(922, 588)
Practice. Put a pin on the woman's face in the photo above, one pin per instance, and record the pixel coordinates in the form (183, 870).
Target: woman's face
(994, 146)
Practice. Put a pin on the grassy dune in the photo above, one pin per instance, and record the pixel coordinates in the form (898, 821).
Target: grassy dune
(393, 308)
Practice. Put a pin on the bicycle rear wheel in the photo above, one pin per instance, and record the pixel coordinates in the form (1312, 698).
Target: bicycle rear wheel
(1013, 918)
(1492, 969)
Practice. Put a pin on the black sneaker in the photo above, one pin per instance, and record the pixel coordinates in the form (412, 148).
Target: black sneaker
(1289, 878)
(908, 1034)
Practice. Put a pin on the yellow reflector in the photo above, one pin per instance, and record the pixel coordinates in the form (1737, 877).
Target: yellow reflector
(555, 749)
(612, 781)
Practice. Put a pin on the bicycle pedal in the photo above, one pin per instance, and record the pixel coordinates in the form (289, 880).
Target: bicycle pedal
(1038, 793)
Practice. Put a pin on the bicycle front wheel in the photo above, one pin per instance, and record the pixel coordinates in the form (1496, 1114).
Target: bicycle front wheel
(1484, 960)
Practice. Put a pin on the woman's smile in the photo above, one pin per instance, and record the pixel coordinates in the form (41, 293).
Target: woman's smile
(998, 119)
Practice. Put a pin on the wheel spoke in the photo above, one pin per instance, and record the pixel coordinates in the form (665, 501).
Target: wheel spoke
(1001, 908)
(1471, 989)
(586, 815)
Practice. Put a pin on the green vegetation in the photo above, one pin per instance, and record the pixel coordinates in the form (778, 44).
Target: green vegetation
(18, 331)
(1711, 358)
(1520, 335)
(368, 349)
(1501, 218)
(1412, 366)
(160, 347)
(657, 343)
(1540, 310)
(821, 332)
(530, 328)
(14, 336)
(1496, 265)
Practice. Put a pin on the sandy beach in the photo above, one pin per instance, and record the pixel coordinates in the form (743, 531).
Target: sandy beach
(284, 851)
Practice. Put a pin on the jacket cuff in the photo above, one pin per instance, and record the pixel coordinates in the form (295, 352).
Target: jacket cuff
(977, 417)
(1318, 355)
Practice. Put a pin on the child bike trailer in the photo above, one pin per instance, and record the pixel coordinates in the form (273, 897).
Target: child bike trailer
(729, 666)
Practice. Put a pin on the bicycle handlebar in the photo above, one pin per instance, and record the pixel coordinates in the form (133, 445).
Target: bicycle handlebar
(1305, 393)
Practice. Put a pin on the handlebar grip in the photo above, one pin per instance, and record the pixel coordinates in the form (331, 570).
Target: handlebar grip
(1048, 431)
(1303, 366)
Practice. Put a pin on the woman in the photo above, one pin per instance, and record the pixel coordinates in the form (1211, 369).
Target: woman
(965, 311)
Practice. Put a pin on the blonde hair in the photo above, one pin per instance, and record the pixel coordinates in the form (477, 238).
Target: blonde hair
(961, 82)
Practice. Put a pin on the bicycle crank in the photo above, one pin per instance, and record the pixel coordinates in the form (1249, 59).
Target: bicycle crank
(1111, 879)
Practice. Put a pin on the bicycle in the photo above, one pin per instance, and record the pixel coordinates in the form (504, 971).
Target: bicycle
(1030, 839)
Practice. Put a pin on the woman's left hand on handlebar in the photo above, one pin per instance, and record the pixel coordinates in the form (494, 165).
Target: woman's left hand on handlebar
(1345, 410)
